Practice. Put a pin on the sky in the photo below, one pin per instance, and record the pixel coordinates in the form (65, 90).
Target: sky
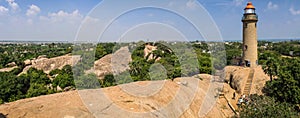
(68, 20)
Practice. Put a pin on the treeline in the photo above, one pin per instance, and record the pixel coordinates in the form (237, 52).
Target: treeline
(18, 53)
(168, 61)
(15, 86)
(286, 48)
(33, 83)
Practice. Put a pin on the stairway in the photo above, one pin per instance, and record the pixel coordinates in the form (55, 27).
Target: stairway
(249, 81)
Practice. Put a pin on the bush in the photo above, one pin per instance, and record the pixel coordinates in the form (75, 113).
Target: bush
(108, 81)
(266, 107)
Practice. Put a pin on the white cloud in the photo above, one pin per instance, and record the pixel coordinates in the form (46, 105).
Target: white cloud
(90, 19)
(150, 15)
(13, 4)
(233, 3)
(191, 4)
(3, 9)
(237, 2)
(33, 10)
(62, 13)
(293, 11)
(272, 6)
(62, 16)
(30, 21)
(171, 3)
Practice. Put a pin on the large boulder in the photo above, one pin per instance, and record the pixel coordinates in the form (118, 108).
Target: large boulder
(12, 64)
(8, 69)
(112, 63)
(237, 76)
(50, 64)
(148, 50)
(27, 62)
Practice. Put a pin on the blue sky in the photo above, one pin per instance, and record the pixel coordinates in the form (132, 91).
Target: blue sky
(59, 20)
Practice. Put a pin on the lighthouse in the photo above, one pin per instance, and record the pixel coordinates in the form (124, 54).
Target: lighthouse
(249, 20)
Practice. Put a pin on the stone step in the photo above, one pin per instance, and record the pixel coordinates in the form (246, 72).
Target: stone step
(248, 84)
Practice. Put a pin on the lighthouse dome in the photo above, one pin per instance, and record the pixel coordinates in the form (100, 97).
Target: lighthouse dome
(250, 6)
(250, 9)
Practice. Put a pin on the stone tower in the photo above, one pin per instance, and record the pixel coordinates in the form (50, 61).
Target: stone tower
(250, 36)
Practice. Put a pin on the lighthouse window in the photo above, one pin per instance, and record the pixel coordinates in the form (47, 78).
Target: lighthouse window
(245, 25)
(245, 47)
(249, 11)
(255, 25)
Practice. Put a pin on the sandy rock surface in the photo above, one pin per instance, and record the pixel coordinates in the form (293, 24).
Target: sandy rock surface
(50, 64)
(172, 99)
(112, 63)
(60, 105)
(8, 69)
(236, 77)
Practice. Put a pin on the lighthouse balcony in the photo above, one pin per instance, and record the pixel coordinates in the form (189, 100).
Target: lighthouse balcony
(250, 17)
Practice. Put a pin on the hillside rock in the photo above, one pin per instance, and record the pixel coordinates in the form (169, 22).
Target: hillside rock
(60, 105)
(8, 69)
(27, 62)
(236, 77)
(112, 63)
(50, 64)
(171, 99)
(260, 79)
(12, 64)
(148, 50)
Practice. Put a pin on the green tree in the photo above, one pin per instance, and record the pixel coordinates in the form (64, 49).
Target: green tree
(36, 90)
(108, 81)
(38, 76)
(286, 88)
(63, 78)
(205, 64)
(271, 67)
(267, 107)
(100, 51)
(89, 81)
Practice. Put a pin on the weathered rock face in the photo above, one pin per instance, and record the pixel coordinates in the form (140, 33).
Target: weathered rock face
(119, 103)
(61, 105)
(102, 66)
(112, 63)
(8, 69)
(260, 79)
(12, 64)
(237, 76)
(148, 49)
(27, 62)
(48, 65)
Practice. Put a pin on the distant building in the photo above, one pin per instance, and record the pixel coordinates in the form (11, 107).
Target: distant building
(249, 20)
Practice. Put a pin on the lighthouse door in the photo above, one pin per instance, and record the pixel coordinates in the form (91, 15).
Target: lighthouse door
(248, 63)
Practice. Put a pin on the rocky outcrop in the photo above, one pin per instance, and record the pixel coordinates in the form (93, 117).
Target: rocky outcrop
(60, 105)
(12, 64)
(50, 64)
(27, 62)
(148, 51)
(112, 63)
(170, 100)
(237, 76)
(8, 69)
